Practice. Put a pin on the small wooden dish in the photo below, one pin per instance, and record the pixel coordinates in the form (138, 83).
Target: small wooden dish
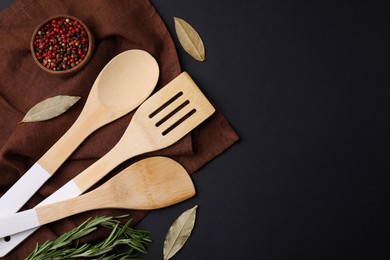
(63, 73)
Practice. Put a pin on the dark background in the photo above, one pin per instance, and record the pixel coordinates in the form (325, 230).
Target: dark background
(306, 86)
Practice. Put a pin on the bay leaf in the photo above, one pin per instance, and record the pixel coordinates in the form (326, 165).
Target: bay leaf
(50, 108)
(179, 232)
(189, 39)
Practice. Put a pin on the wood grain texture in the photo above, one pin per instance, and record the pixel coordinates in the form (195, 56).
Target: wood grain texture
(148, 184)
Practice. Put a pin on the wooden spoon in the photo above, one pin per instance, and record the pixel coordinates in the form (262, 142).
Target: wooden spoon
(123, 84)
(148, 184)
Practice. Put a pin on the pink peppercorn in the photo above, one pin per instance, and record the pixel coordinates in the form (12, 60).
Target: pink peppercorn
(61, 44)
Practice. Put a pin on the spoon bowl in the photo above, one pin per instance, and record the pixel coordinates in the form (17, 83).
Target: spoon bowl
(123, 84)
(114, 85)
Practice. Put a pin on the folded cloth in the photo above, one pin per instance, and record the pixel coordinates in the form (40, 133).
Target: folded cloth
(117, 26)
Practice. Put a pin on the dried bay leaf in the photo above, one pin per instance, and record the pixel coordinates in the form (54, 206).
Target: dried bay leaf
(179, 232)
(189, 39)
(50, 108)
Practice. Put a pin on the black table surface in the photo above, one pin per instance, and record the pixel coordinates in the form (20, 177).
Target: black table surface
(306, 86)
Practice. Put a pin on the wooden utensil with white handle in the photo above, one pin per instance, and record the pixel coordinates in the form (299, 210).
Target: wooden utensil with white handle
(123, 84)
(159, 122)
(149, 184)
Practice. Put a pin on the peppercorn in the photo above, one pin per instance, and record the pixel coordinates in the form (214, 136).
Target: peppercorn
(61, 44)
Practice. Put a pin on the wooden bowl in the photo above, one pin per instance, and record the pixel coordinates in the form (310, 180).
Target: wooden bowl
(62, 65)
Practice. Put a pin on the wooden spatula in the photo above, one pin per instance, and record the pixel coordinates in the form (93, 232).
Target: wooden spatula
(152, 183)
(159, 122)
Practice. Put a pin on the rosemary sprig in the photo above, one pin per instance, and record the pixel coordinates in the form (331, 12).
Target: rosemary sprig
(67, 245)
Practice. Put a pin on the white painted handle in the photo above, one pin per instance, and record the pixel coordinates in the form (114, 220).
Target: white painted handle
(7, 244)
(18, 222)
(23, 190)
(69, 190)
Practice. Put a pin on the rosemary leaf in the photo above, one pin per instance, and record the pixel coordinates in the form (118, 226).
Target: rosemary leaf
(67, 247)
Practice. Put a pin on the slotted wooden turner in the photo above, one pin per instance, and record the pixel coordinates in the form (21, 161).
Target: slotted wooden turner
(151, 183)
(159, 122)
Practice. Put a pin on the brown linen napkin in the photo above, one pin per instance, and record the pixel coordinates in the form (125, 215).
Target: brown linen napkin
(117, 26)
